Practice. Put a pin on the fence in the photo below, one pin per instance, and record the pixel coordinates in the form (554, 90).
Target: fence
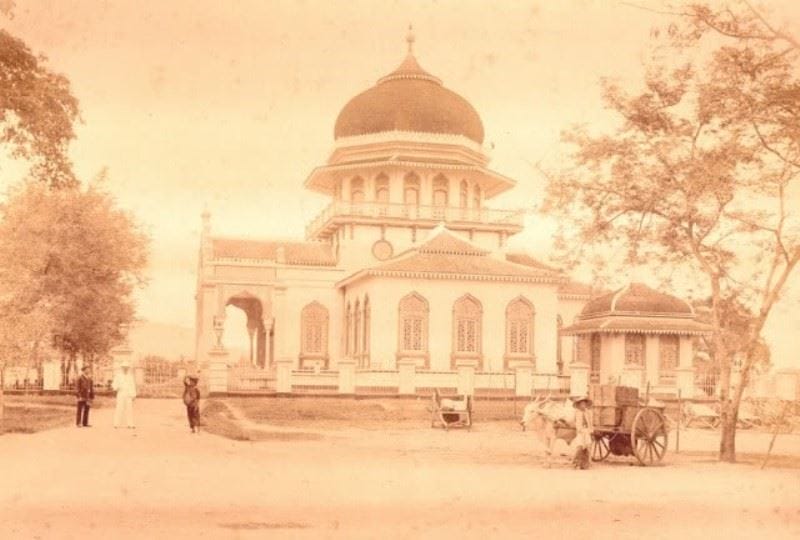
(388, 382)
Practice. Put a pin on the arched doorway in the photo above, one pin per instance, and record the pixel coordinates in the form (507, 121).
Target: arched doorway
(246, 331)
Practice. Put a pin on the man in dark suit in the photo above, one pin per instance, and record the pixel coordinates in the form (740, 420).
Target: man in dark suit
(84, 390)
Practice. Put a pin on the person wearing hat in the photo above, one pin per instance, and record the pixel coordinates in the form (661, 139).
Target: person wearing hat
(125, 386)
(84, 391)
(191, 398)
(584, 427)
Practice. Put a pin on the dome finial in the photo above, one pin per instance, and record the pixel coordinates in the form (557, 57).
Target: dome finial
(410, 39)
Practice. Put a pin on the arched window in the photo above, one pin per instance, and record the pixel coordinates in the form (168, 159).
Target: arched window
(347, 330)
(382, 189)
(467, 315)
(519, 330)
(356, 328)
(441, 187)
(411, 189)
(476, 197)
(668, 358)
(634, 349)
(463, 194)
(357, 190)
(314, 331)
(413, 331)
(365, 346)
(559, 358)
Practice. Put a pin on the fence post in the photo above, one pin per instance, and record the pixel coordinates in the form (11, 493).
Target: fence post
(523, 375)
(347, 376)
(407, 372)
(218, 371)
(51, 375)
(283, 375)
(466, 376)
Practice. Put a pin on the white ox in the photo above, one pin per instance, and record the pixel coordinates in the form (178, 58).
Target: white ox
(550, 421)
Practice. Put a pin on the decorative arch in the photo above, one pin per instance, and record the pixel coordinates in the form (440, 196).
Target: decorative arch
(467, 331)
(520, 315)
(441, 190)
(382, 189)
(411, 187)
(413, 312)
(314, 332)
(357, 189)
(347, 329)
(357, 328)
(365, 335)
(476, 197)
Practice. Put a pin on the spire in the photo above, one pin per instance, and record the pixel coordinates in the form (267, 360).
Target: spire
(410, 39)
(410, 68)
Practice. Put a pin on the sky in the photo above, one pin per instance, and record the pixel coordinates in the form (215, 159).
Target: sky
(230, 105)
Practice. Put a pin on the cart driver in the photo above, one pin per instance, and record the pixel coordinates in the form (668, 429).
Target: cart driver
(584, 428)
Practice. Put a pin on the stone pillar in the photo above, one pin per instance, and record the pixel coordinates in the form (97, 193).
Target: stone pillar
(407, 372)
(578, 379)
(523, 378)
(465, 370)
(283, 381)
(684, 379)
(218, 371)
(51, 375)
(347, 376)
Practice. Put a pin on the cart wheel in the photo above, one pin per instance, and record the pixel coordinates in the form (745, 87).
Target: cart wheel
(649, 436)
(600, 449)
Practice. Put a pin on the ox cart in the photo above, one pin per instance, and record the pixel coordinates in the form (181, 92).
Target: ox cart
(623, 426)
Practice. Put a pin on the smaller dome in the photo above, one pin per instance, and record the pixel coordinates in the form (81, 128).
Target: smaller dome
(637, 299)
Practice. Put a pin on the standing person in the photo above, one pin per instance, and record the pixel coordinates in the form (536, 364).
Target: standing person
(84, 391)
(191, 398)
(584, 427)
(125, 386)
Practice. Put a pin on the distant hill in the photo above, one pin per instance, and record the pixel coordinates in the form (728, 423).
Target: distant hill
(169, 341)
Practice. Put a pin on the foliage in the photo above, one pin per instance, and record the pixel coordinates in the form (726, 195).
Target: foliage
(37, 112)
(700, 172)
(74, 256)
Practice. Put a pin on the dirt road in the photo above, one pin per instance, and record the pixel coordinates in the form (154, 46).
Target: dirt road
(159, 481)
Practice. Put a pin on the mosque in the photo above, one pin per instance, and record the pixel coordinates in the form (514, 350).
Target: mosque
(407, 270)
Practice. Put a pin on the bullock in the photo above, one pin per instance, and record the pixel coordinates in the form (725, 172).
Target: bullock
(550, 421)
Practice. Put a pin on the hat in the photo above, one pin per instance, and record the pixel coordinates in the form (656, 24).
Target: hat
(580, 399)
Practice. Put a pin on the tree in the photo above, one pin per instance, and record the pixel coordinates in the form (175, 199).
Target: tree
(72, 254)
(37, 111)
(700, 172)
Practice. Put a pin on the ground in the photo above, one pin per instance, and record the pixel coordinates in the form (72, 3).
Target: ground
(307, 480)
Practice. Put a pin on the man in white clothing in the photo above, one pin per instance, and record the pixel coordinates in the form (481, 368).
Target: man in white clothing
(125, 386)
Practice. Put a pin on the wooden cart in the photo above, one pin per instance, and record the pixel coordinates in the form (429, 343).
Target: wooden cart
(625, 427)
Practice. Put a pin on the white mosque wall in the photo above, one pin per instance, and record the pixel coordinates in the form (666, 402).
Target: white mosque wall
(385, 295)
(569, 309)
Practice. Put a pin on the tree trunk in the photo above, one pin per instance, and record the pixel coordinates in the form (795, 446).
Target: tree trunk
(727, 443)
(2, 395)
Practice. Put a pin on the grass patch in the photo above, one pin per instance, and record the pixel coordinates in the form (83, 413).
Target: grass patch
(34, 413)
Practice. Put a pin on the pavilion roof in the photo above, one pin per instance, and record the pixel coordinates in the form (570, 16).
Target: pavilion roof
(637, 325)
(294, 252)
